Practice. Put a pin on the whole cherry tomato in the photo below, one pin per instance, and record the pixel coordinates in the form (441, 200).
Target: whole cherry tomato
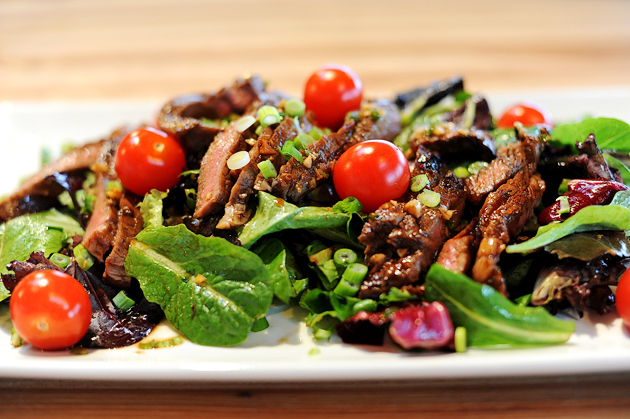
(374, 172)
(147, 159)
(622, 297)
(50, 309)
(527, 114)
(331, 92)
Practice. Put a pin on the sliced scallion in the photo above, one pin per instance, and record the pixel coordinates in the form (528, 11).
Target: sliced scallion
(289, 150)
(346, 288)
(365, 305)
(294, 107)
(268, 115)
(238, 160)
(344, 257)
(565, 208)
(245, 122)
(429, 198)
(316, 133)
(418, 183)
(461, 172)
(354, 273)
(122, 301)
(460, 339)
(83, 257)
(476, 167)
(303, 140)
(267, 169)
(60, 260)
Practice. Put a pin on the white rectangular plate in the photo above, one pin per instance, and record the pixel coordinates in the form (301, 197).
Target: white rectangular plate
(285, 351)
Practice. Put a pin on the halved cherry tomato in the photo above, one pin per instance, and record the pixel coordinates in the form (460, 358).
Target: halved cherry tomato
(147, 159)
(50, 309)
(331, 92)
(527, 114)
(373, 171)
(622, 297)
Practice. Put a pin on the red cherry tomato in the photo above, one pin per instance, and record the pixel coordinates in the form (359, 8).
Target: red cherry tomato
(622, 297)
(331, 92)
(50, 309)
(149, 159)
(527, 114)
(373, 171)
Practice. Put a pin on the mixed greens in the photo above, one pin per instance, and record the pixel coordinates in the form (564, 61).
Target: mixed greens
(217, 290)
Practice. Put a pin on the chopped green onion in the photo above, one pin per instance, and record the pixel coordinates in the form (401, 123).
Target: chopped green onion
(60, 260)
(316, 133)
(65, 199)
(460, 339)
(189, 173)
(16, 339)
(303, 140)
(461, 172)
(268, 115)
(476, 167)
(346, 288)
(564, 187)
(83, 257)
(321, 334)
(344, 257)
(294, 107)
(418, 183)
(314, 351)
(565, 208)
(260, 324)
(289, 150)
(429, 198)
(123, 302)
(354, 273)
(90, 200)
(259, 129)
(238, 160)
(90, 180)
(114, 184)
(245, 122)
(157, 344)
(191, 197)
(267, 169)
(365, 305)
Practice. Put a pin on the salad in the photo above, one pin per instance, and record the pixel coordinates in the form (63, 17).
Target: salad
(423, 220)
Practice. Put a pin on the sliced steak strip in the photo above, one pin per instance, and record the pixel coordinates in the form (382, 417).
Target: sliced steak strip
(402, 239)
(501, 218)
(453, 142)
(214, 176)
(130, 223)
(511, 159)
(236, 212)
(181, 117)
(38, 187)
(101, 229)
(295, 180)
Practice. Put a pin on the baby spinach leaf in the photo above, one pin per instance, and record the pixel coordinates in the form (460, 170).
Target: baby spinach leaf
(610, 133)
(491, 319)
(275, 214)
(283, 269)
(591, 218)
(210, 290)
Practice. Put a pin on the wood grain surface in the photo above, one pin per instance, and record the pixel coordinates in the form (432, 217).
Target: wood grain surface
(123, 49)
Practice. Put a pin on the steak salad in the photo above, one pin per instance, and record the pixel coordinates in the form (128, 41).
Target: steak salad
(421, 220)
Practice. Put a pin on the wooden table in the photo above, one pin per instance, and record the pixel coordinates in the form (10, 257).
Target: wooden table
(155, 49)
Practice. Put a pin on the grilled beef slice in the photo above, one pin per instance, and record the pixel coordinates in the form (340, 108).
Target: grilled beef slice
(511, 159)
(295, 180)
(402, 238)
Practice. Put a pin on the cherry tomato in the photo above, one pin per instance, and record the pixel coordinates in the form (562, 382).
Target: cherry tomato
(331, 92)
(526, 113)
(147, 159)
(50, 309)
(373, 171)
(622, 297)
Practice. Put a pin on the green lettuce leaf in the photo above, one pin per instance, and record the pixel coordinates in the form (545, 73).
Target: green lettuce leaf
(591, 218)
(275, 214)
(610, 133)
(283, 269)
(490, 319)
(210, 290)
